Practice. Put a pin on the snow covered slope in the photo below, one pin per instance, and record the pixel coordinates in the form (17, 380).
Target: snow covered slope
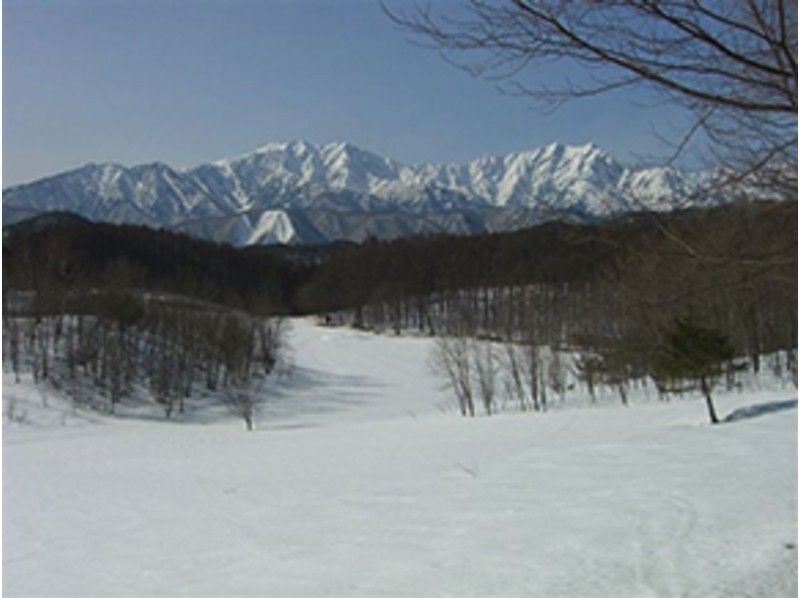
(360, 482)
(329, 183)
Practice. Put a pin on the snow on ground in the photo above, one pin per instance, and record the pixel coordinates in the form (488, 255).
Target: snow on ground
(358, 483)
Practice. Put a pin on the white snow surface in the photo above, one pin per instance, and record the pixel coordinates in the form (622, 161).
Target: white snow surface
(360, 482)
(273, 226)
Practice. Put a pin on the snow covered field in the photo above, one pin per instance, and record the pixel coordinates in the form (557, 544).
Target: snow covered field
(359, 481)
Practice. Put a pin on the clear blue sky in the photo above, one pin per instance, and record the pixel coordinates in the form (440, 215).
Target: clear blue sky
(188, 81)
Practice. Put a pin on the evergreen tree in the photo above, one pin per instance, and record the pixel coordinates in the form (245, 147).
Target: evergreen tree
(694, 353)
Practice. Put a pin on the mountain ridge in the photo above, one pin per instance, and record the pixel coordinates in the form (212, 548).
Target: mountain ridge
(296, 192)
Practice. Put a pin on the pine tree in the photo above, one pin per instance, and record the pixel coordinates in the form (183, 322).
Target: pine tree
(694, 353)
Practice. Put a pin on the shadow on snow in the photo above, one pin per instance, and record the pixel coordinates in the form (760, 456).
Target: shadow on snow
(309, 392)
(760, 409)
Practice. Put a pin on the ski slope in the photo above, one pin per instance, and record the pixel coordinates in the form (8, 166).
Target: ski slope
(361, 480)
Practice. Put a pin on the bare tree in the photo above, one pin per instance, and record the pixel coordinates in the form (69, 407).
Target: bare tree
(11, 334)
(588, 367)
(731, 65)
(243, 396)
(271, 342)
(246, 342)
(451, 355)
(557, 373)
(515, 375)
(485, 363)
(534, 368)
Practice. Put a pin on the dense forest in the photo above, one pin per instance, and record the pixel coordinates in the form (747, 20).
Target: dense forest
(71, 254)
(678, 300)
(612, 295)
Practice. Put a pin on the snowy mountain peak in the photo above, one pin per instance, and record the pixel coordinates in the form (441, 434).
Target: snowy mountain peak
(295, 146)
(339, 147)
(554, 149)
(295, 191)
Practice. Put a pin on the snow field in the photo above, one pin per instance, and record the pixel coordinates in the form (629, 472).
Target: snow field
(362, 480)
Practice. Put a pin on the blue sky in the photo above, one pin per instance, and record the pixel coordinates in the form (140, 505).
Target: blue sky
(188, 81)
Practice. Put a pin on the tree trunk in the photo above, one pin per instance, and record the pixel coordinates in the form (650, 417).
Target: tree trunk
(712, 413)
(623, 394)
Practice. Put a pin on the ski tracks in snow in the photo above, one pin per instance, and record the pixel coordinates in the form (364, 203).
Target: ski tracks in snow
(662, 540)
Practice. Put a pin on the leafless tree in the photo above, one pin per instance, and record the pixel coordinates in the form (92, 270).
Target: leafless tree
(11, 334)
(243, 396)
(557, 373)
(452, 356)
(515, 375)
(530, 387)
(485, 364)
(271, 342)
(731, 65)
(247, 343)
(588, 367)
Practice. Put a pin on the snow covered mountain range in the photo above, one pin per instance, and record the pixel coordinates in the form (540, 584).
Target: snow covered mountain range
(297, 192)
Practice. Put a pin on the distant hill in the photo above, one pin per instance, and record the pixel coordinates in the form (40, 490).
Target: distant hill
(43, 221)
(313, 278)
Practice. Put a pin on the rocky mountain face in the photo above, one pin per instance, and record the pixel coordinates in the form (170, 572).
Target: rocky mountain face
(300, 193)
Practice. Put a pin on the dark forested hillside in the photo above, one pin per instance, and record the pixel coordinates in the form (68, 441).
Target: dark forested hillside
(681, 261)
(552, 253)
(76, 255)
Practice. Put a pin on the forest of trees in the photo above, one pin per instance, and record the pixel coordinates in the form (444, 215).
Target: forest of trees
(578, 282)
(605, 298)
(522, 315)
(80, 254)
(111, 313)
(103, 347)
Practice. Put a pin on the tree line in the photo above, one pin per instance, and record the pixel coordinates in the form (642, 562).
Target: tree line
(601, 300)
(614, 304)
(117, 314)
(83, 254)
(104, 348)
